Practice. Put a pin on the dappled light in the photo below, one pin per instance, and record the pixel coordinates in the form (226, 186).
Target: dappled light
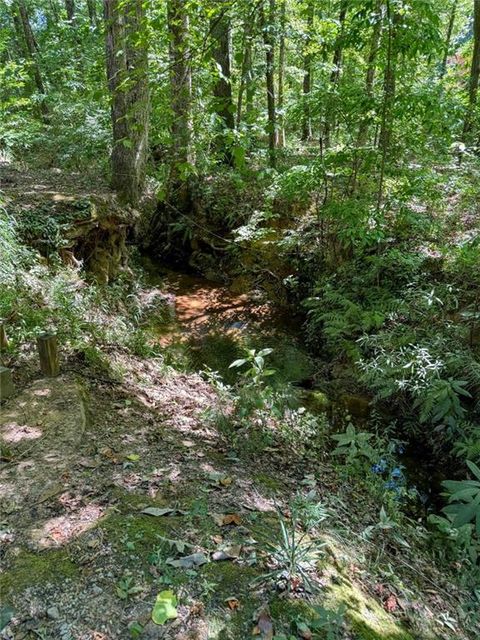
(239, 320)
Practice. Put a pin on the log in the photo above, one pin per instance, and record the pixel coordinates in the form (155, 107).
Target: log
(47, 345)
(6, 383)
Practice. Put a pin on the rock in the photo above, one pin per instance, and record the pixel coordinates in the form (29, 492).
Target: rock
(53, 613)
(357, 406)
(97, 590)
(316, 401)
(241, 284)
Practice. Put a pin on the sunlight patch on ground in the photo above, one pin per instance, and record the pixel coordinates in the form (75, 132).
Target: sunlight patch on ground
(14, 432)
(63, 529)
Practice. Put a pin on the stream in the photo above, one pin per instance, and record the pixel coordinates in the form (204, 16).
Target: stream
(213, 326)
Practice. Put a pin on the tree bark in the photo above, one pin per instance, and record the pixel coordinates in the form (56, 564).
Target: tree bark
(448, 39)
(268, 23)
(308, 74)
(246, 70)
(31, 48)
(127, 73)
(222, 90)
(281, 74)
(181, 103)
(70, 10)
(389, 94)
(474, 74)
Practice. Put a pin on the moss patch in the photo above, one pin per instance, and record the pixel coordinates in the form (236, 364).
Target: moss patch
(364, 614)
(268, 481)
(30, 568)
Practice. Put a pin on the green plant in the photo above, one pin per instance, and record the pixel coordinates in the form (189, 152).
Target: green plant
(293, 553)
(354, 445)
(256, 372)
(126, 588)
(464, 499)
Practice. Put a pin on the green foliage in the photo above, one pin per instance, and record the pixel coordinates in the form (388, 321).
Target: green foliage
(353, 445)
(464, 499)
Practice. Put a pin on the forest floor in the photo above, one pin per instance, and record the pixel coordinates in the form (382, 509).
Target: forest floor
(82, 558)
(117, 488)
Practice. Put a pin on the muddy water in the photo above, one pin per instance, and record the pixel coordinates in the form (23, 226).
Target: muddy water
(216, 325)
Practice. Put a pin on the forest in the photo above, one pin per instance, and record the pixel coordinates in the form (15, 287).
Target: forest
(240, 319)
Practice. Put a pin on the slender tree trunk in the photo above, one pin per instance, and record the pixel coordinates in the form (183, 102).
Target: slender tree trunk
(474, 74)
(448, 39)
(308, 75)
(181, 101)
(281, 74)
(127, 73)
(335, 75)
(268, 23)
(246, 70)
(222, 90)
(389, 92)
(31, 48)
(70, 9)
(92, 12)
(370, 75)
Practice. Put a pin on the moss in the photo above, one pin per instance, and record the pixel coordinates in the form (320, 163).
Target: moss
(364, 614)
(232, 581)
(30, 568)
(268, 481)
(316, 401)
(142, 530)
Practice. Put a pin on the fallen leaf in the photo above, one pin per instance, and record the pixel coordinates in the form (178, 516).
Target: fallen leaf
(155, 511)
(264, 626)
(303, 631)
(391, 603)
(188, 562)
(217, 539)
(228, 553)
(229, 518)
(232, 603)
(165, 607)
(133, 457)
(226, 482)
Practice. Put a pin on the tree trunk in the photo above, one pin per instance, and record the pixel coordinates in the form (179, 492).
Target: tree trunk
(70, 9)
(31, 48)
(307, 74)
(389, 91)
(335, 75)
(474, 74)
(268, 23)
(448, 39)
(370, 75)
(181, 102)
(127, 62)
(222, 90)
(246, 70)
(281, 74)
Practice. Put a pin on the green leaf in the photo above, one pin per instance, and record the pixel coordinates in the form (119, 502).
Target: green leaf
(237, 363)
(474, 469)
(165, 607)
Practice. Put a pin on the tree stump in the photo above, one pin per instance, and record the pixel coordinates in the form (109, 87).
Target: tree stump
(47, 345)
(6, 383)
(3, 336)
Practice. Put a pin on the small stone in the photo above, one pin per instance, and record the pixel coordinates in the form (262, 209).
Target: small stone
(97, 590)
(53, 613)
